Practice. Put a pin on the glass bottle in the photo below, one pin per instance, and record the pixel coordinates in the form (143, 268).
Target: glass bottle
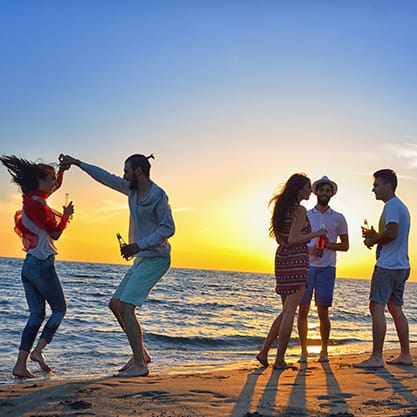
(321, 239)
(122, 243)
(67, 201)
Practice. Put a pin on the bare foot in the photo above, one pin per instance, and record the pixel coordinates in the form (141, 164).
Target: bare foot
(133, 371)
(127, 365)
(38, 357)
(263, 360)
(147, 356)
(324, 357)
(22, 373)
(303, 359)
(370, 363)
(401, 360)
(130, 362)
(282, 365)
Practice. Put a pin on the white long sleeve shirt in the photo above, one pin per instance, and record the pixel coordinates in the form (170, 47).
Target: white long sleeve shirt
(151, 222)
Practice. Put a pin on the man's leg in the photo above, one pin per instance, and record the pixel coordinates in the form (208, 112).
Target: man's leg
(133, 291)
(323, 313)
(401, 325)
(379, 328)
(302, 326)
(134, 334)
(325, 281)
(114, 307)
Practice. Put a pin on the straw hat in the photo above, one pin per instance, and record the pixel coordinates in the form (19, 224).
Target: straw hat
(324, 180)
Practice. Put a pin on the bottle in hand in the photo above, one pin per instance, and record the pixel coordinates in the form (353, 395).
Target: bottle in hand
(365, 228)
(122, 243)
(321, 240)
(67, 201)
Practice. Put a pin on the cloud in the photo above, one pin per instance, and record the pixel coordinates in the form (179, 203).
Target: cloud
(111, 206)
(405, 151)
(183, 209)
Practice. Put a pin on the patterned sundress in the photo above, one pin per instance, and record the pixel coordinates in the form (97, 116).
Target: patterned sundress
(291, 261)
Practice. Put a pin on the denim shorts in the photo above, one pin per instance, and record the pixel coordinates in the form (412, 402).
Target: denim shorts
(320, 280)
(387, 285)
(140, 279)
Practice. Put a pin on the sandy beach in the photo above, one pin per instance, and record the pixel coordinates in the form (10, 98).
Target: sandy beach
(313, 389)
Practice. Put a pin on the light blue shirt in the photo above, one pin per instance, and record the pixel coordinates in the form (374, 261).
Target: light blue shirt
(151, 222)
(394, 255)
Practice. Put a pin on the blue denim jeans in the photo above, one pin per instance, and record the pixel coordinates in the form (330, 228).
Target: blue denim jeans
(41, 284)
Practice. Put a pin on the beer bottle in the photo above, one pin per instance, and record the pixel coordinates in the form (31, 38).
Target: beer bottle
(122, 243)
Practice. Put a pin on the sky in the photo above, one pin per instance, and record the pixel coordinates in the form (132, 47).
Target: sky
(232, 97)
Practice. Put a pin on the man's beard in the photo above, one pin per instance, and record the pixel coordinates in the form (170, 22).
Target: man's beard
(324, 201)
(133, 184)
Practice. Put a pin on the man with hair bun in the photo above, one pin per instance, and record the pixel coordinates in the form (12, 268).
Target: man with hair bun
(150, 226)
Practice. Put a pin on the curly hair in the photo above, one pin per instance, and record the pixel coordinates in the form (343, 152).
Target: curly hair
(284, 200)
(26, 174)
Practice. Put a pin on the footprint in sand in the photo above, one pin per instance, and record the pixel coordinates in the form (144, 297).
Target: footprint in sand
(77, 405)
(214, 394)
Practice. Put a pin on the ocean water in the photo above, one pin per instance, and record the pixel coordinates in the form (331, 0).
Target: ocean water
(193, 320)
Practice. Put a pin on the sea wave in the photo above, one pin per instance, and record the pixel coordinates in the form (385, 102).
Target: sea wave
(193, 318)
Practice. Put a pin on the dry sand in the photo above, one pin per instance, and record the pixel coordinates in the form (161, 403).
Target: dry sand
(313, 389)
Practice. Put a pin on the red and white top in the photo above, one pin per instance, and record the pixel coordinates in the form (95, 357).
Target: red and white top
(34, 223)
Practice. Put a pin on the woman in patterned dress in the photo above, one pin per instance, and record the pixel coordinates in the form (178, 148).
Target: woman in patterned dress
(292, 231)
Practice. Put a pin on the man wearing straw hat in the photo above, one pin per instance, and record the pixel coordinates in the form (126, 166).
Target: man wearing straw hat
(322, 273)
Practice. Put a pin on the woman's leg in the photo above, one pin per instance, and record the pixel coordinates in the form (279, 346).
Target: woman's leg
(36, 304)
(20, 369)
(51, 289)
(262, 356)
(288, 312)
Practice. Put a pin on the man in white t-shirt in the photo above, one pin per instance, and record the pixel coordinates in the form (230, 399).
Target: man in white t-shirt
(322, 272)
(391, 271)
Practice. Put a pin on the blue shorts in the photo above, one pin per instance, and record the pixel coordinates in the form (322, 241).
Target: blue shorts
(387, 285)
(140, 279)
(320, 280)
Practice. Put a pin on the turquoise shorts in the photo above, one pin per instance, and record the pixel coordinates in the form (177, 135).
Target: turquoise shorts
(140, 279)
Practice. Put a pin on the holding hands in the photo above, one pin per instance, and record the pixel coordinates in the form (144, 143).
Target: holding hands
(65, 162)
(68, 160)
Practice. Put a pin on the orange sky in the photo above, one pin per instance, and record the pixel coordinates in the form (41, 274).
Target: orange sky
(231, 97)
(227, 233)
